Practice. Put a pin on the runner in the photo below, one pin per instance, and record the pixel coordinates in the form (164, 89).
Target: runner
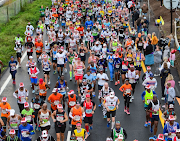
(150, 81)
(12, 136)
(147, 97)
(177, 137)
(53, 53)
(110, 58)
(124, 69)
(28, 113)
(147, 73)
(117, 69)
(44, 115)
(126, 89)
(21, 95)
(46, 64)
(54, 99)
(13, 121)
(89, 108)
(82, 50)
(25, 130)
(70, 56)
(153, 108)
(59, 118)
(19, 49)
(169, 112)
(36, 104)
(33, 72)
(29, 45)
(117, 132)
(45, 137)
(43, 88)
(13, 69)
(62, 87)
(111, 103)
(5, 112)
(76, 114)
(60, 61)
(38, 46)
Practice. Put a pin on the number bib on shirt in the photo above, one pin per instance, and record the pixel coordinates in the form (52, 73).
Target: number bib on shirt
(79, 71)
(111, 60)
(117, 66)
(42, 91)
(4, 111)
(36, 106)
(77, 118)
(72, 103)
(56, 102)
(24, 134)
(59, 118)
(82, 54)
(88, 111)
(28, 50)
(111, 107)
(33, 75)
(79, 138)
(28, 118)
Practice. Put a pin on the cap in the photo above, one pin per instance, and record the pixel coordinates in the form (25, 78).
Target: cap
(104, 45)
(148, 87)
(101, 69)
(112, 94)
(40, 80)
(144, 17)
(171, 117)
(78, 124)
(160, 137)
(21, 84)
(148, 68)
(59, 106)
(12, 56)
(151, 75)
(54, 90)
(4, 99)
(126, 79)
(97, 42)
(171, 106)
(177, 130)
(26, 104)
(12, 112)
(32, 64)
(44, 133)
(77, 103)
(12, 132)
(87, 95)
(71, 92)
(131, 66)
(125, 59)
(30, 57)
(120, 136)
(60, 29)
(117, 55)
(29, 23)
(151, 138)
(23, 120)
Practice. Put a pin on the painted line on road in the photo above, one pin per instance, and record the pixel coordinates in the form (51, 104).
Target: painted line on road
(9, 77)
(178, 100)
(68, 136)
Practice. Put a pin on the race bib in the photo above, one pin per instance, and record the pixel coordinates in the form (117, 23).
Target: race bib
(77, 118)
(149, 100)
(63, 21)
(59, 118)
(13, 68)
(14, 124)
(111, 60)
(22, 98)
(36, 106)
(28, 118)
(38, 48)
(94, 74)
(56, 102)
(124, 67)
(4, 111)
(42, 91)
(140, 44)
(88, 111)
(99, 19)
(81, 32)
(28, 50)
(111, 107)
(128, 91)
(72, 103)
(79, 71)
(33, 75)
(117, 65)
(138, 63)
(82, 54)
(24, 134)
(79, 138)
(61, 59)
(129, 59)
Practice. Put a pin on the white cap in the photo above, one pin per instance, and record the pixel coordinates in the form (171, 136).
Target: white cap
(30, 57)
(177, 130)
(171, 106)
(54, 90)
(44, 133)
(112, 94)
(12, 112)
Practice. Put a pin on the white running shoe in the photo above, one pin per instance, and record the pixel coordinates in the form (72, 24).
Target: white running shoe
(49, 82)
(132, 97)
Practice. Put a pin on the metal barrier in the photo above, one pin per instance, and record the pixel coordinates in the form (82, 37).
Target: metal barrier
(11, 9)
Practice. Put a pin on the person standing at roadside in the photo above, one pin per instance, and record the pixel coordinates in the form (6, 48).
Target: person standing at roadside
(157, 60)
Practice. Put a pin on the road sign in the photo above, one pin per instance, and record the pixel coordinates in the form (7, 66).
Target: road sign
(167, 3)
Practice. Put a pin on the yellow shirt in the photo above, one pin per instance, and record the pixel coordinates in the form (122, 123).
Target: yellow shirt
(102, 13)
(79, 135)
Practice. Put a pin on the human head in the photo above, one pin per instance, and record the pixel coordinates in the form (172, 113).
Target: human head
(12, 58)
(4, 100)
(21, 85)
(154, 98)
(106, 85)
(55, 91)
(78, 126)
(24, 121)
(12, 133)
(118, 124)
(178, 133)
(126, 81)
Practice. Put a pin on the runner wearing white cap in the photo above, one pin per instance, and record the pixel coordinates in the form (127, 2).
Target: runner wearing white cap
(12, 136)
(177, 137)
(21, 95)
(46, 66)
(45, 137)
(169, 111)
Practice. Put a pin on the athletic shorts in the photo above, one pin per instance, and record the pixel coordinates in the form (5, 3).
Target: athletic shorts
(38, 53)
(123, 72)
(60, 65)
(155, 118)
(145, 108)
(18, 55)
(138, 68)
(78, 77)
(45, 128)
(46, 72)
(88, 120)
(99, 87)
(54, 61)
(34, 80)
(60, 129)
(116, 70)
(113, 113)
(29, 53)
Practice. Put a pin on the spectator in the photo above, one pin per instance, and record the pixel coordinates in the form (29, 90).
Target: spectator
(157, 60)
(144, 9)
(135, 16)
(148, 53)
(170, 92)
(154, 40)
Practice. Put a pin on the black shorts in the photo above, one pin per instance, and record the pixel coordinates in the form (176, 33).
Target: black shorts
(29, 53)
(99, 87)
(54, 61)
(155, 118)
(60, 65)
(88, 120)
(60, 129)
(38, 53)
(123, 72)
(45, 128)
(4, 119)
(116, 70)
(113, 113)
(46, 72)
(83, 58)
(18, 55)
(138, 68)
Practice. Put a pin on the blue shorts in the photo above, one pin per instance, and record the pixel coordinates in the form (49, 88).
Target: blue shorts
(34, 80)
(60, 65)
(63, 24)
(155, 118)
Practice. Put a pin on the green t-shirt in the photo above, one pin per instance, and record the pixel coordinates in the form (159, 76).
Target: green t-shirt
(28, 114)
(42, 11)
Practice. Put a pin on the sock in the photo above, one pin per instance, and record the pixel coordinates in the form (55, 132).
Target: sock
(70, 73)
(128, 109)
(112, 125)
(125, 107)
(87, 128)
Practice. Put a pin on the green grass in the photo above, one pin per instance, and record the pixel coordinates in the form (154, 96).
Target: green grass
(17, 25)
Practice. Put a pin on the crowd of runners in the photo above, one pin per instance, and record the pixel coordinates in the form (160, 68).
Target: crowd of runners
(93, 39)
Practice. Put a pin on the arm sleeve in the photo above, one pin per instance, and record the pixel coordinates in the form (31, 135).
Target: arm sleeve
(125, 134)
(112, 134)
(165, 132)
(19, 133)
(142, 95)
(70, 115)
(14, 94)
(31, 130)
(150, 105)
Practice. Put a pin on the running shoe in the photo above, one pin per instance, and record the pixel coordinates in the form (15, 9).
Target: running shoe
(108, 124)
(54, 72)
(163, 98)
(155, 137)
(118, 82)
(130, 100)
(99, 105)
(33, 91)
(70, 78)
(69, 122)
(65, 70)
(146, 124)
(111, 80)
(106, 69)
(105, 117)
(49, 82)
(88, 133)
(128, 112)
(19, 65)
(58, 77)
(151, 130)
(149, 123)
(125, 110)
(90, 127)
(36, 127)
(132, 97)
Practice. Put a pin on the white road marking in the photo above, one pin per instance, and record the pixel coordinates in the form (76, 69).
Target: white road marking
(68, 136)
(9, 77)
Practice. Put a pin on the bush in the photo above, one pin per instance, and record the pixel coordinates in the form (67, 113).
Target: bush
(17, 25)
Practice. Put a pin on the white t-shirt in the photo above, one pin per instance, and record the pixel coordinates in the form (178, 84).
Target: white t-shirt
(176, 139)
(60, 58)
(102, 76)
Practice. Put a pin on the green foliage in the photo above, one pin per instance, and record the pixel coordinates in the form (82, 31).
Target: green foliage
(17, 25)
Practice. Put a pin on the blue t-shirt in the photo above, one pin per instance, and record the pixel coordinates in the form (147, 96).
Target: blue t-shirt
(12, 68)
(90, 77)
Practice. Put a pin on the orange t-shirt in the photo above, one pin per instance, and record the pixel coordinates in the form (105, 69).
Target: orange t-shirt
(55, 15)
(4, 113)
(126, 88)
(39, 47)
(81, 31)
(54, 99)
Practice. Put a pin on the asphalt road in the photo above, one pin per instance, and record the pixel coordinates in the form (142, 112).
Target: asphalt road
(133, 124)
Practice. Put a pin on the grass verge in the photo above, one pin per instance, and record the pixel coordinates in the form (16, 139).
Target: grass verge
(17, 25)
